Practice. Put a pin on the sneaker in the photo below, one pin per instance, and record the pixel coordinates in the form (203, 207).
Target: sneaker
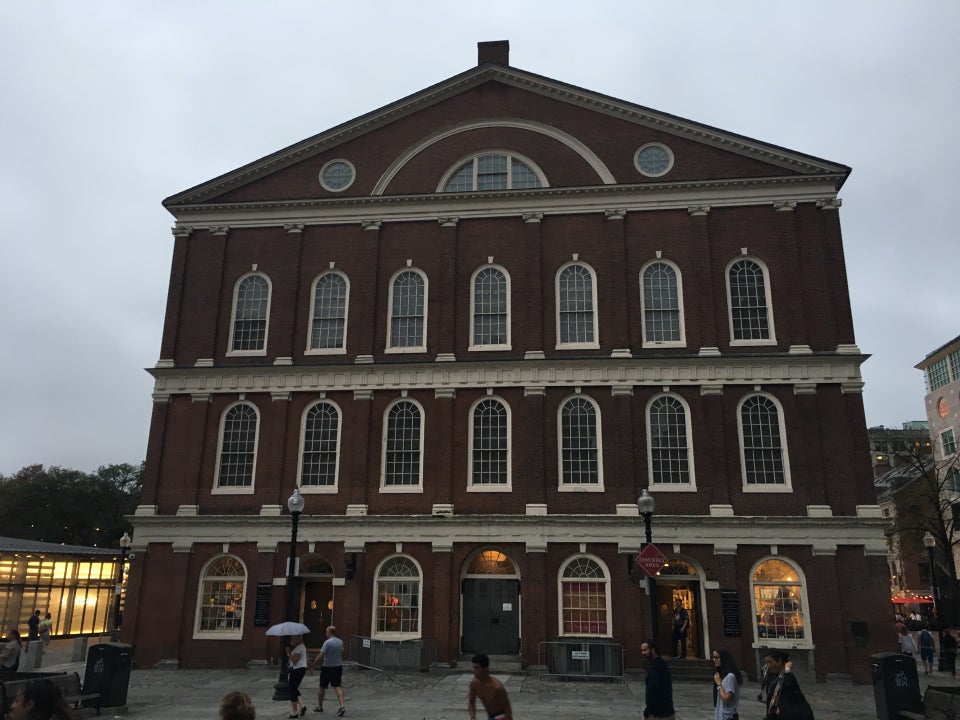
(341, 712)
(303, 711)
(318, 709)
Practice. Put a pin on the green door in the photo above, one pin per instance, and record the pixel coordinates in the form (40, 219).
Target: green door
(491, 617)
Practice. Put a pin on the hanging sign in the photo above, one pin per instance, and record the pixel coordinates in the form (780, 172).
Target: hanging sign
(651, 559)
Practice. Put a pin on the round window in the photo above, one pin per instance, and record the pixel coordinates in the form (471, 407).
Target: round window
(337, 175)
(653, 160)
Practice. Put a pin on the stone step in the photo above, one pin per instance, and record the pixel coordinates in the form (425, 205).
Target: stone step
(498, 664)
(690, 670)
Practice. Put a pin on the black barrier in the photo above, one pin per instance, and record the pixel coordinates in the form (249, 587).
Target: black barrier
(895, 685)
(108, 672)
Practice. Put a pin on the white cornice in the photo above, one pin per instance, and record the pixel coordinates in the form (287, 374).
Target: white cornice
(613, 373)
(535, 530)
(555, 201)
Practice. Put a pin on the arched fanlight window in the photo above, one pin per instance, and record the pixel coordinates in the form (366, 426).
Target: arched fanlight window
(491, 562)
(779, 600)
(584, 598)
(398, 599)
(220, 601)
(493, 171)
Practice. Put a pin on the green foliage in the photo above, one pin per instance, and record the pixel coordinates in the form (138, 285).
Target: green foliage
(60, 505)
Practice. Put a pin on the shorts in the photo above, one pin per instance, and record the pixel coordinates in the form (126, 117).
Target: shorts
(331, 676)
(926, 654)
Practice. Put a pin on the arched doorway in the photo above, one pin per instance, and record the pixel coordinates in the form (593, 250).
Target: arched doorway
(490, 605)
(679, 580)
(316, 577)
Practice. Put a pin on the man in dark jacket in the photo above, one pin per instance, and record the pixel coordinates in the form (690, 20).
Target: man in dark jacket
(659, 696)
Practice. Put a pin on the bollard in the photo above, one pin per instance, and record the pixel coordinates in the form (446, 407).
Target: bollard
(32, 656)
(79, 649)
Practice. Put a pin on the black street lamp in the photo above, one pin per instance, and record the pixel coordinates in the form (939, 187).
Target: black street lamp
(125, 543)
(646, 505)
(295, 505)
(930, 542)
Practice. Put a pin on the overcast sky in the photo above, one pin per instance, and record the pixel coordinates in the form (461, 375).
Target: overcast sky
(109, 107)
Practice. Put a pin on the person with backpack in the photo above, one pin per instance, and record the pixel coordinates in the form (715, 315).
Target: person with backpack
(926, 649)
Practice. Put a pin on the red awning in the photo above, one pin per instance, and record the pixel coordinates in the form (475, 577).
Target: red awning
(901, 600)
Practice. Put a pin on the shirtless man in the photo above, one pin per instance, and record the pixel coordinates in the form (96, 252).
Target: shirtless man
(491, 692)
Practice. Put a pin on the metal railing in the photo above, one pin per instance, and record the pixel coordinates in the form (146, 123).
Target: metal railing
(581, 659)
(375, 654)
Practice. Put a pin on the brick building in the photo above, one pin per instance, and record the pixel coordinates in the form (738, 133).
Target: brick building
(472, 326)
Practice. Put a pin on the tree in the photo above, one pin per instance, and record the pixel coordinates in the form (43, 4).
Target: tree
(927, 504)
(61, 505)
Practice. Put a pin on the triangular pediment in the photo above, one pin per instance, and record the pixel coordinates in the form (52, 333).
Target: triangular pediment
(492, 105)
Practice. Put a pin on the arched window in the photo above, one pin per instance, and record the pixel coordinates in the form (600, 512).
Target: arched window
(398, 599)
(408, 312)
(491, 562)
(251, 309)
(319, 446)
(763, 444)
(490, 445)
(576, 301)
(662, 304)
(581, 467)
(328, 317)
(751, 314)
(220, 600)
(490, 303)
(669, 445)
(238, 448)
(493, 171)
(779, 600)
(403, 446)
(584, 598)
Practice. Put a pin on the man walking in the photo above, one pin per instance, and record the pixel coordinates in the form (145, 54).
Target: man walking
(491, 692)
(659, 695)
(330, 659)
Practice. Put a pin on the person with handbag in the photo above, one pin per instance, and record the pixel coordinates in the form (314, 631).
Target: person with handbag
(786, 701)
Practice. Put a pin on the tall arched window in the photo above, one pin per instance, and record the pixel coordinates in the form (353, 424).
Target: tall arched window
(779, 601)
(328, 316)
(220, 600)
(403, 446)
(493, 171)
(237, 456)
(576, 303)
(763, 444)
(490, 445)
(581, 466)
(251, 310)
(669, 446)
(748, 292)
(490, 303)
(662, 304)
(320, 441)
(398, 600)
(584, 598)
(408, 312)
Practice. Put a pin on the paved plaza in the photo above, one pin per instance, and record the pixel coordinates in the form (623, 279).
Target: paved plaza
(372, 695)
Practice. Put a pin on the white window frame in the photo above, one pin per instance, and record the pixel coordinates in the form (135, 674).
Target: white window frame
(595, 343)
(607, 591)
(768, 295)
(787, 486)
(510, 155)
(946, 454)
(386, 635)
(313, 309)
(579, 487)
(488, 487)
(384, 488)
(233, 317)
(319, 489)
(682, 342)
(426, 297)
(474, 346)
(236, 489)
(806, 642)
(690, 486)
(232, 634)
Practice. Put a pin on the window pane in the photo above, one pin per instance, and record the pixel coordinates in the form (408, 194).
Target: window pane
(402, 456)
(238, 446)
(661, 303)
(576, 305)
(329, 312)
(320, 446)
(490, 307)
(492, 172)
(579, 442)
(398, 597)
(668, 441)
(584, 608)
(406, 323)
(490, 443)
(250, 313)
(938, 375)
(762, 452)
(748, 301)
(221, 597)
(462, 180)
(522, 176)
(778, 598)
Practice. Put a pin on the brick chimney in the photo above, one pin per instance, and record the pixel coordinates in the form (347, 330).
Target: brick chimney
(494, 51)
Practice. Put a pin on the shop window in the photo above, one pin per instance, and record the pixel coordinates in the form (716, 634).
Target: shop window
(779, 603)
(398, 599)
(220, 603)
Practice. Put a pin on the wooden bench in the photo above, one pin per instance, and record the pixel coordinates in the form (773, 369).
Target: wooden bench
(69, 684)
(937, 705)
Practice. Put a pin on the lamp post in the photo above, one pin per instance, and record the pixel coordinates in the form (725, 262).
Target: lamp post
(930, 542)
(646, 505)
(125, 543)
(295, 505)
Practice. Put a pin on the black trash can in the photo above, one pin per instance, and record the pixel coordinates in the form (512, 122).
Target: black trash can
(108, 672)
(895, 685)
